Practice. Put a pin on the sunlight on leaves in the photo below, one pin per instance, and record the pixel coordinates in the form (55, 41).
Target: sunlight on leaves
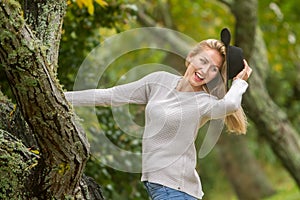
(89, 4)
(277, 67)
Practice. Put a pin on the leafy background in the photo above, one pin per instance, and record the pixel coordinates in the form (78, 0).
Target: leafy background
(88, 23)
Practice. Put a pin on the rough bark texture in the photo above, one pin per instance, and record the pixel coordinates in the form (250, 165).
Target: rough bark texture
(18, 158)
(28, 54)
(11, 120)
(269, 119)
(16, 162)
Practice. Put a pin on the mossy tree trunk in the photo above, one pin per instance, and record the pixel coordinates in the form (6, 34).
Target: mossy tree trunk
(29, 39)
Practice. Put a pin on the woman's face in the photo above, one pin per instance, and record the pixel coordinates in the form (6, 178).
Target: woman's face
(203, 68)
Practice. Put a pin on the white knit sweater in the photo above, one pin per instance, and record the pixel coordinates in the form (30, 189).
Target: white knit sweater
(172, 122)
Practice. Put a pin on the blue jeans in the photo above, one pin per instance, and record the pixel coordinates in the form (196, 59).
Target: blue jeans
(160, 192)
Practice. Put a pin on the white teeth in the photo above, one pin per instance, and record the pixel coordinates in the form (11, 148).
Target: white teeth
(201, 77)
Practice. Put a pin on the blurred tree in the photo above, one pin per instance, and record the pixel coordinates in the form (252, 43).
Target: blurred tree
(283, 53)
(271, 121)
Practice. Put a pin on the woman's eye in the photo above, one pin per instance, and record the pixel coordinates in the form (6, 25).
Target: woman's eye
(203, 61)
(214, 69)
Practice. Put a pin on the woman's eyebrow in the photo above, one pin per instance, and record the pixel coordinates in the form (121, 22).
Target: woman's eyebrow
(203, 58)
(216, 66)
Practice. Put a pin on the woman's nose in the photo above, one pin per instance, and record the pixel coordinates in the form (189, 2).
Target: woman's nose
(204, 69)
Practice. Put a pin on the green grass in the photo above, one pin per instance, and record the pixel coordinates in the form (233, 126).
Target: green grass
(285, 186)
(286, 194)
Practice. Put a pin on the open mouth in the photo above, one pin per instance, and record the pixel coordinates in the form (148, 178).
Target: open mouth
(199, 77)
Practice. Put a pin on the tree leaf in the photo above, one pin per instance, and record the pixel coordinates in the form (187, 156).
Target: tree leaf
(102, 3)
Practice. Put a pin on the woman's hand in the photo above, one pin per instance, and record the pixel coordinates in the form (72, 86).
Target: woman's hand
(245, 73)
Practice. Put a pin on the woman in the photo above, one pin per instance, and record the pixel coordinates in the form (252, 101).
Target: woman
(176, 107)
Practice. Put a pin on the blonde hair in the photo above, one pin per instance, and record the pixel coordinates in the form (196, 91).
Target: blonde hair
(237, 121)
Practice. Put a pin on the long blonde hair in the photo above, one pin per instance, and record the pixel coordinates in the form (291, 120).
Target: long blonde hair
(237, 121)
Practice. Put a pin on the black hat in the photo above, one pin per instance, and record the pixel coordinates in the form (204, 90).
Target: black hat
(234, 55)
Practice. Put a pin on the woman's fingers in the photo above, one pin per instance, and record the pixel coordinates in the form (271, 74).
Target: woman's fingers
(245, 73)
(247, 69)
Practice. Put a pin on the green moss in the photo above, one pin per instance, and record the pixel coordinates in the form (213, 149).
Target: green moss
(3, 98)
(15, 21)
(14, 167)
(5, 36)
(31, 82)
(12, 57)
(21, 56)
(63, 168)
(16, 17)
(21, 88)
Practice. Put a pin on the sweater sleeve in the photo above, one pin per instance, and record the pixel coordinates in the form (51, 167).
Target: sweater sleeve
(229, 103)
(134, 92)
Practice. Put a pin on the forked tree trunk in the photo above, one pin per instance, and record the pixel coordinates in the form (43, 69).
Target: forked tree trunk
(28, 54)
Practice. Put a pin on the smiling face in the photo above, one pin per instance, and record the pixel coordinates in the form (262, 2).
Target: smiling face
(203, 67)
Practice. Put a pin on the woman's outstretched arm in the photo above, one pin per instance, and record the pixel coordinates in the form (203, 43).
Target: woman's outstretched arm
(135, 92)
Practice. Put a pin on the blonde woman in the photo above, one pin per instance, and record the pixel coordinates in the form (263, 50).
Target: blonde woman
(176, 107)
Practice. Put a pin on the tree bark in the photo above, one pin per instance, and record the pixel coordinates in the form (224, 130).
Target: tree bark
(18, 158)
(29, 58)
(16, 162)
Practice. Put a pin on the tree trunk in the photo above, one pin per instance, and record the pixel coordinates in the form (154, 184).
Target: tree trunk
(28, 54)
(240, 168)
(15, 181)
(270, 120)
(274, 126)
(15, 161)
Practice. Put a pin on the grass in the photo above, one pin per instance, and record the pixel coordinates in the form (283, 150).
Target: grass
(285, 186)
(286, 194)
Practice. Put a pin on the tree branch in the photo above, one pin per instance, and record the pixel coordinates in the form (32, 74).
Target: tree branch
(44, 17)
(169, 38)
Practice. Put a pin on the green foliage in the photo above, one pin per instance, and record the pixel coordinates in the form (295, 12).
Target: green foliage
(285, 187)
(286, 194)
(116, 184)
(81, 33)
(199, 19)
(114, 133)
(279, 21)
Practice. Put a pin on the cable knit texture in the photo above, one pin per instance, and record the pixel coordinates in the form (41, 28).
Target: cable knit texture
(172, 123)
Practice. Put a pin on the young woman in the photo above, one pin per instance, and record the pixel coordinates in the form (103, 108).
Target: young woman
(176, 107)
